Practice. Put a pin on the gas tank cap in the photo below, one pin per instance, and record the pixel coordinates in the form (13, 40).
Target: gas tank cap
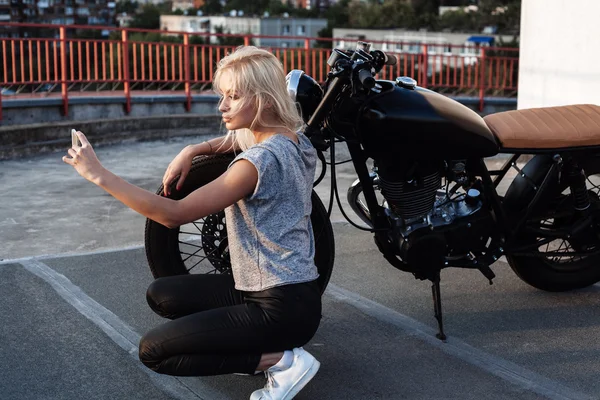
(406, 82)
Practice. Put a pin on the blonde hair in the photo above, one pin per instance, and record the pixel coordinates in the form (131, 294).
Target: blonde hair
(259, 80)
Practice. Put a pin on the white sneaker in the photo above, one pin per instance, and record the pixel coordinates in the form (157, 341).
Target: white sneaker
(284, 385)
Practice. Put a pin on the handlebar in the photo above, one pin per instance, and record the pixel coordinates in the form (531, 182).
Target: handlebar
(390, 59)
(346, 64)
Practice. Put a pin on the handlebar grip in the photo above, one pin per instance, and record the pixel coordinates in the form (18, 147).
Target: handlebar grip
(390, 59)
(365, 77)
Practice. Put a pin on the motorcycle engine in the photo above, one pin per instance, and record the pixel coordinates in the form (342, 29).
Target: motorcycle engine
(428, 223)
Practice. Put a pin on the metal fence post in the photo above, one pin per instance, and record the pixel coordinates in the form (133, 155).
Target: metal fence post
(425, 65)
(307, 57)
(126, 83)
(246, 40)
(186, 62)
(482, 80)
(63, 68)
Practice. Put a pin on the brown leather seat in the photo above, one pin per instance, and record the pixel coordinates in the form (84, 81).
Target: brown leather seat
(547, 128)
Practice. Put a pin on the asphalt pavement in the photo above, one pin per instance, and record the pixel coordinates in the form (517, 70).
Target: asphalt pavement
(74, 276)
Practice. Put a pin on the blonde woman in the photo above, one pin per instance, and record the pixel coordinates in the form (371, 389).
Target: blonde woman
(258, 319)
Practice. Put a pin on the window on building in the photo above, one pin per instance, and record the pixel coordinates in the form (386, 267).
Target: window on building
(285, 30)
(301, 30)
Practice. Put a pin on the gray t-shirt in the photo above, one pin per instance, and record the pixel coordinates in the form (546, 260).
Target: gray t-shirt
(270, 234)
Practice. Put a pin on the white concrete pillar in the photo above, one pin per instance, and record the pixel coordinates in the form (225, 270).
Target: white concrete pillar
(560, 53)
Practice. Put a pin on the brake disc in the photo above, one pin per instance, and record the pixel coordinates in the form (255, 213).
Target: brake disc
(215, 243)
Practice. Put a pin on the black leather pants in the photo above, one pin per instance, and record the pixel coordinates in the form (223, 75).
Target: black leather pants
(216, 329)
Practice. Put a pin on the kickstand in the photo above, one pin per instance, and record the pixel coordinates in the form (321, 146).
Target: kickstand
(437, 307)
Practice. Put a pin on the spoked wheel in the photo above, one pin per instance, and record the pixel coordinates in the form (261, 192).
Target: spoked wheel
(202, 247)
(562, 258)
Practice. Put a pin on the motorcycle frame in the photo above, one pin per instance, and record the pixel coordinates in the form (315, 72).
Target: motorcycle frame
(507, 229)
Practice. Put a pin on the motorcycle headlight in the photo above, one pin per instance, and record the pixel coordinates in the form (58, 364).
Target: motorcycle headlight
(305, 91)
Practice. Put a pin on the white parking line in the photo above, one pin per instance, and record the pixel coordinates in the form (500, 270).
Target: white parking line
(497, 366)
(120, 332)
(72, 254)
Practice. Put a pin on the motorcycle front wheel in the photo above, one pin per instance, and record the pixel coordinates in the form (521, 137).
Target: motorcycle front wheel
(202, 246)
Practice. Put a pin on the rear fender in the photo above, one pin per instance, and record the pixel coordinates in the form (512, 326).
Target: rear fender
(523, 188)
(521, 191)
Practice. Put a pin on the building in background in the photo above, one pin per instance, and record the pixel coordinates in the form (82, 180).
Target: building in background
(155, 2)
(60, 12)
(559, 58)
(184, 5)
(295, 28)
(465, 47)
(309, 4)
(441, 42)
(80, 12)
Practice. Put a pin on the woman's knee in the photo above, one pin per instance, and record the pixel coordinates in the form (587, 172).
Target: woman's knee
(149, 352)
(156, 296)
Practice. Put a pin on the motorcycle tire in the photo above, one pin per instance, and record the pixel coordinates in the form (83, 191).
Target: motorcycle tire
(542, 272)
(201, 247)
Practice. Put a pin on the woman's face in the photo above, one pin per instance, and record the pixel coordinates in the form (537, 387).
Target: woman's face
(231, 100)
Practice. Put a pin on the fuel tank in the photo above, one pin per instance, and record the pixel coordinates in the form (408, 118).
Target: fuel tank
(410, 121)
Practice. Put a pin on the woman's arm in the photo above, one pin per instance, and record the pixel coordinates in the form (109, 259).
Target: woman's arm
(236, 183)
(220, 145)
(181, 164)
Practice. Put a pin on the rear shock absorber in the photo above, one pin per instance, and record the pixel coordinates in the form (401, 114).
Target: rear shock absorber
(577, 180)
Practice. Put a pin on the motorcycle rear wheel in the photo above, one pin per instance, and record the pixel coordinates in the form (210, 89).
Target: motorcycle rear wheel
(202, 247)
(562, 269)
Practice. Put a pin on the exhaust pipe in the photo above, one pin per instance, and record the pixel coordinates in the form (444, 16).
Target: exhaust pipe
(357, 205)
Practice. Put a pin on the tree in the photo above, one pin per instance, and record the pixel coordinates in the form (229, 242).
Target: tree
(387, 14)
(460, 21)
(254, 7)
(148, 18)
(127, 7)
(212, 7)
(229, 40)
(426, 13)
(338, 15)
(508, 18)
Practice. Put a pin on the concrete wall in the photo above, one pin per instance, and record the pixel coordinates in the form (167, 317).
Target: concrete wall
(29, 111)
(35, 126)
(18, 141)
(560, 61)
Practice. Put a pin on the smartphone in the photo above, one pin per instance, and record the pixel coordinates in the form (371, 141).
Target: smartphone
(74, 139)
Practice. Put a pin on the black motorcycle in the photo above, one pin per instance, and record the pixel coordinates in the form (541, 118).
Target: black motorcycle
(429, 199)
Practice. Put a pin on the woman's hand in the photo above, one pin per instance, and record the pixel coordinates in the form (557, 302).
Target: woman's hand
(180, 166)
(84, 160)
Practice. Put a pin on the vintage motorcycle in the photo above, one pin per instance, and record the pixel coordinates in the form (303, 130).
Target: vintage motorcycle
(423, 188)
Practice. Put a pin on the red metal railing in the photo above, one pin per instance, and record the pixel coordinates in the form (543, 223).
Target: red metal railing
(130, 61)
